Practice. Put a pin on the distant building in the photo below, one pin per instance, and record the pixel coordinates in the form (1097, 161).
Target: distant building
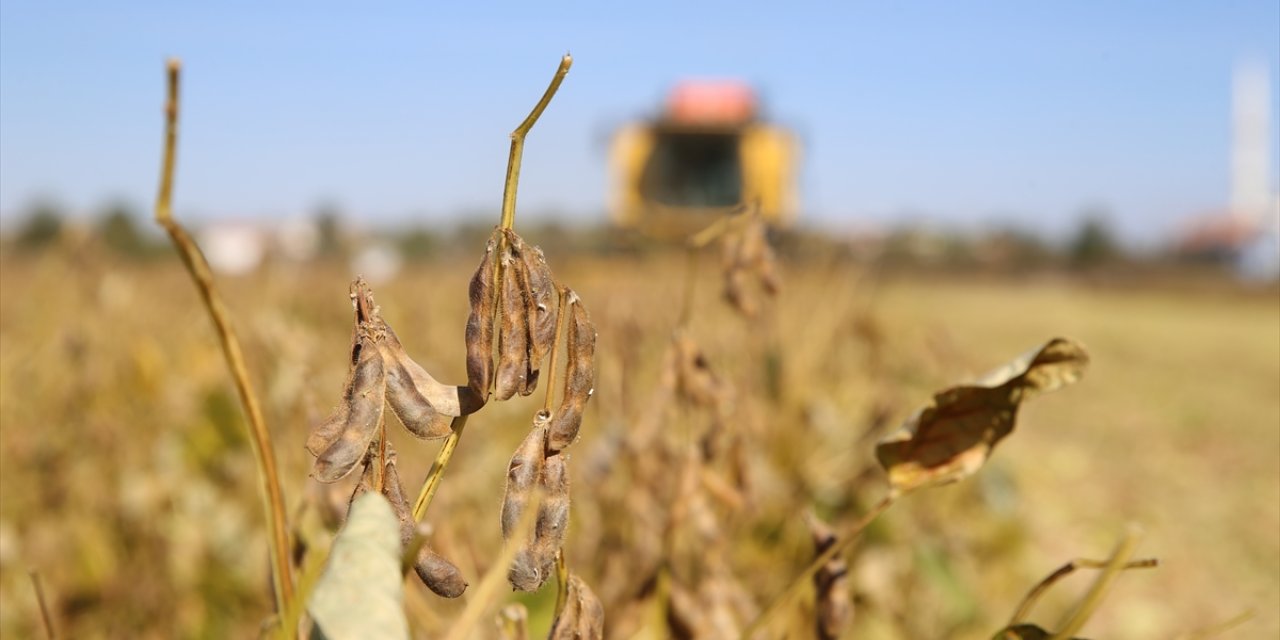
(1245, 235)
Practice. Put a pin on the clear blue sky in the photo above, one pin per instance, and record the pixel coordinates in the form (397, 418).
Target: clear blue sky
(962, 112)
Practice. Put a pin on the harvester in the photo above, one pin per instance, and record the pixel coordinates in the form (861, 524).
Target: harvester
(706, 154)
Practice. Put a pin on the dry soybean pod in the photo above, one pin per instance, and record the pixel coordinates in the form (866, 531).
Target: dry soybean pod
(579, 377)
(418, 400)
(542, 297)
(325, 433)
(553, 517)
(440, 575)
(523, 473)
(364, 414)
(583, 615)
(513, 338)
(479, 332)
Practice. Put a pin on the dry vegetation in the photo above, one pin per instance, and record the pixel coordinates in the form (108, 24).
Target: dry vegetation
(733, 471)
(128, 482)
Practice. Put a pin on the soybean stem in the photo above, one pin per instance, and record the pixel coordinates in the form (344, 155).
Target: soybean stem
(203, 278)
(836, 549)
(1093, 598)
(517, 144)
(562, 583)
(437, 469)
(1065, 570)
(45, 618)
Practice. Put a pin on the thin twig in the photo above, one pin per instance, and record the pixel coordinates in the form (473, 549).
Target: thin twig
(804, 579)
(45, 617)
(517, 144)
(562, 582)
(1076, 619)
(1065, 570)
(437, 469)
(203, 278)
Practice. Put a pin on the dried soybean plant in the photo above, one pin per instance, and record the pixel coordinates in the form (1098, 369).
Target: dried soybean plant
(202, 276)
(518, 313)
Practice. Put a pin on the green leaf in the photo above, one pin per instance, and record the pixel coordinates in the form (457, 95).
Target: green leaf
(361, 592)
(952, 438)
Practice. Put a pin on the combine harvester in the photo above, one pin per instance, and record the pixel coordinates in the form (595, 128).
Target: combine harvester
(708, 153)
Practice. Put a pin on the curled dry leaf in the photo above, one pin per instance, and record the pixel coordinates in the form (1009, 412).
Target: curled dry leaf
(833, 602)
(579, 377)
(479, 331)
(583, 615)
(952, 438)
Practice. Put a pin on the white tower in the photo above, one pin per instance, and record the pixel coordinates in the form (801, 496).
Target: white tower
(1251, 172)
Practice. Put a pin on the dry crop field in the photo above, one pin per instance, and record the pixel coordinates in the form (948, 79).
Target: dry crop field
(127, 480)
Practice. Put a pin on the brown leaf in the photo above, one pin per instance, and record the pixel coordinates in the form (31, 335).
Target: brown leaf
(952, 438)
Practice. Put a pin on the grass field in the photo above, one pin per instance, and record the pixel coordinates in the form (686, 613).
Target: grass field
(127, 482)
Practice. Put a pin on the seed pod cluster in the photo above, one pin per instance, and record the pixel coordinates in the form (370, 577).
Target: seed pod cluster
(540, 462)
(833, 602)
(439, 574)
(747, 254)
(530, 470)
(381, 373)
(522, 313)
(582, 617)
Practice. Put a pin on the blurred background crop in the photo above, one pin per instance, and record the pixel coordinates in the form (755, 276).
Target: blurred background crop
(949, 184)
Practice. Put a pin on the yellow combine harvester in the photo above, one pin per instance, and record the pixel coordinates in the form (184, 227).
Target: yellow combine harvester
(705, 155)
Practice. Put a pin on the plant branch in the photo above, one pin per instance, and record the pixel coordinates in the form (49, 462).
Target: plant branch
(437, 469)
(1093, 598)
(806, 577)
(45, 617)
(1065, 570)
(562, 583)
(517, 144)
(203, 278)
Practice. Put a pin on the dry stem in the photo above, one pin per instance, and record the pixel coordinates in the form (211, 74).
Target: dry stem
(203, 278)
(805, 578)
(1093, 598)
(1065, 570)
(45, 617)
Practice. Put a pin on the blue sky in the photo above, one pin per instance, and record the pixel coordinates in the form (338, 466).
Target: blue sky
(964, 113)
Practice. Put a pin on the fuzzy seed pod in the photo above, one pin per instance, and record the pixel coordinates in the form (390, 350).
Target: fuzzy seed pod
(424, 406)
(513, 325)
(535, 563)
(579, 377)
(440, 575)
(523, 473)
(541, 302)
(583, 615)
(361, 413)
(479, 332)
(324, 434)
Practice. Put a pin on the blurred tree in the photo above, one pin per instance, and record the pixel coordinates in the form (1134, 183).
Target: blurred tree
(42, 227)
(328, 219)
(1094, 244)
(119, 231)
(418, 243)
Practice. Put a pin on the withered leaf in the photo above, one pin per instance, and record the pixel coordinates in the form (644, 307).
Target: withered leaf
(952, 438)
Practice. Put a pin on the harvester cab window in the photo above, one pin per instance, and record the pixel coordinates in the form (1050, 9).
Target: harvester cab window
(694, 169)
